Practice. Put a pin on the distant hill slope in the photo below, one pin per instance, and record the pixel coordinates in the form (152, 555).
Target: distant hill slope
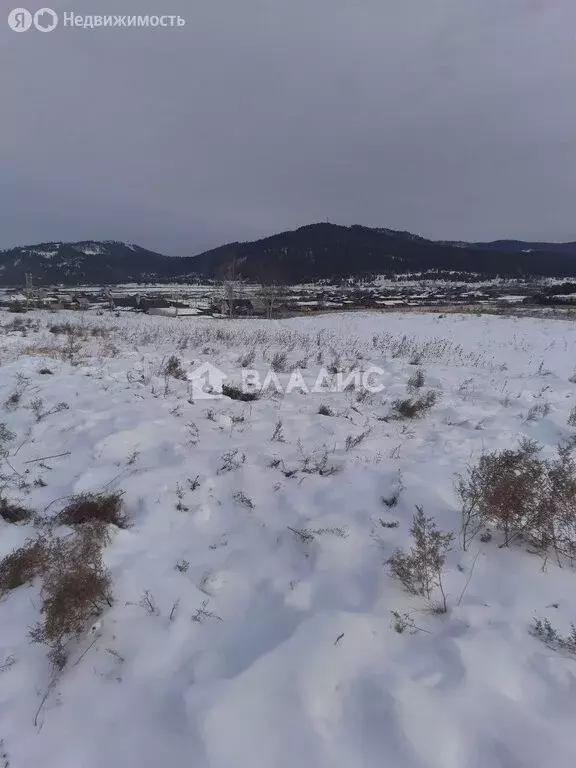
(329, 250)
(316, 251)
(519, 246)
(88, 261)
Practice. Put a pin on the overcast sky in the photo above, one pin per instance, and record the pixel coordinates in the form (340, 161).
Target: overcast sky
(449, 118)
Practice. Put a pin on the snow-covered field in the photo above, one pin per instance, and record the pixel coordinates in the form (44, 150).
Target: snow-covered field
(251, 624)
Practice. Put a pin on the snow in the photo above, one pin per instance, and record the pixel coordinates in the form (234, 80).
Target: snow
(512, 299)
(45, 254)
(174, 311)
(91, 249)
(295, 661)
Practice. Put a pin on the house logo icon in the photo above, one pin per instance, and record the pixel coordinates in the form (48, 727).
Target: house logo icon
(207, 382)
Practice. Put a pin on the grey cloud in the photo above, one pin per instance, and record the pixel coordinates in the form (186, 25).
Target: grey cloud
(451, 118)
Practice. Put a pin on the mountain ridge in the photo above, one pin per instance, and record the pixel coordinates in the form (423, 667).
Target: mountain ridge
(312, 252)
(324, 251)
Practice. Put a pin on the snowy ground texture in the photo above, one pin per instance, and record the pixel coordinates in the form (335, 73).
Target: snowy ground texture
(268, 648)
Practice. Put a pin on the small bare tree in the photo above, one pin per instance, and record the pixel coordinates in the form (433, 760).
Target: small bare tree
(270, 280)
(269, 294)
(420, 569)
(505, 488)
(469, 491)
(231, 285)
(556, 520)
(525, 496)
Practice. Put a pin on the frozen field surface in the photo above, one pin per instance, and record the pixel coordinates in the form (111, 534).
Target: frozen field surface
(251, 622)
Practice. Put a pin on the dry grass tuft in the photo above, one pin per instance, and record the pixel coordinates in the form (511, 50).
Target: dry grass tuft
(416, 381)
(94, 508)
(237, 393)
(23, 565)
(414, 408)
(76, 589)
(173, 368)
(14, 513)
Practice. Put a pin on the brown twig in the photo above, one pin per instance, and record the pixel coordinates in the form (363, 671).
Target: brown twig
(85, 652)
(468, 579)
(44, 458)
(44, 699)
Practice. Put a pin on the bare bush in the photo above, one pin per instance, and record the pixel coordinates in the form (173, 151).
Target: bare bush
(538, 411)
(194, 484)
(389, 523)
(180, 506)
(392, 500)
(231, 461)
(572, 418)
(246, 359)
(412, 408)
(193, 433)
(504, 489)
(302, 534)
(278, 361)
(12, 512)
(310, 534)
(149, 604)
(469, 491)
(37, 407)
(241, 498)
(6, 663)
(72, 347)
(544, 631)
(316, 463)
(335, 365)
(416, 381)
(556, 519)
(23, 565)
(61, 328)
(235, 392)
(6, 436)
(325, 410)
(353, 441)
(278, 434)
(403, 622)
(86, 508)
(202, 613)
(524, 495)
(76, 588)
(173, 368)
(13, 400)
(420, 569)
